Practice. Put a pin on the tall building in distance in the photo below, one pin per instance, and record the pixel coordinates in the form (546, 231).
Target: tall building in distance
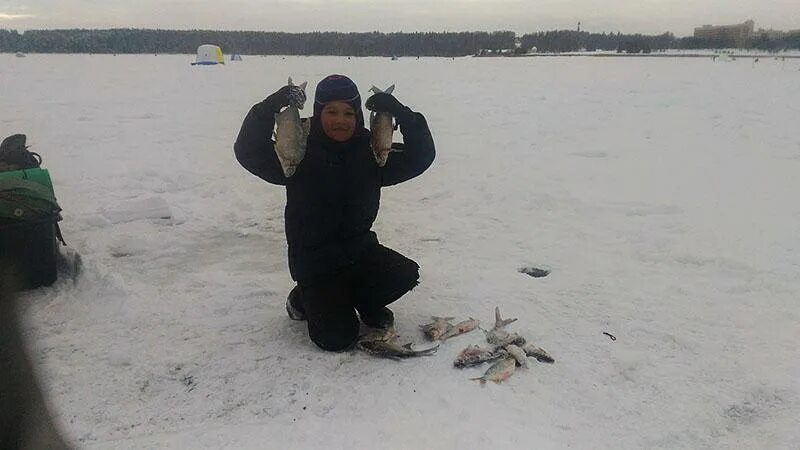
(738, 34)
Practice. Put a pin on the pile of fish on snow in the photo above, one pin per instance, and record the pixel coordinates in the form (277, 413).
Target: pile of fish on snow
(507, 350)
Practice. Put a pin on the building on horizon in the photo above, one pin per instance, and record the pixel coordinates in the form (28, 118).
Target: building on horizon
(739, 35)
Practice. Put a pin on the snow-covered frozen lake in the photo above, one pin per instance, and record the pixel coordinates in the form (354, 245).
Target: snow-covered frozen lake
(661, 193)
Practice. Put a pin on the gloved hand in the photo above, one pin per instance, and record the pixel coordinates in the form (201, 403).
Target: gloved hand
(383, 102)
(285, 96)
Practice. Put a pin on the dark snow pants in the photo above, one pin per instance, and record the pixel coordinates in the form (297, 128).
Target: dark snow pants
(330, 303)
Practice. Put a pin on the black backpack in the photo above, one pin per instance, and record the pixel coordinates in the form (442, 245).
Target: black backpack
(14, 154)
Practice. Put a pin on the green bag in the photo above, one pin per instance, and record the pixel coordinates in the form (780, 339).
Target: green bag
(24, 200)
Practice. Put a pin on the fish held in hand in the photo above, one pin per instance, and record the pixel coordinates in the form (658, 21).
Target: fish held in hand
(388, 349)
(437, 328)
(291, 133)
(461, 328)
(474, 355)
(382, 128)
(500, 371)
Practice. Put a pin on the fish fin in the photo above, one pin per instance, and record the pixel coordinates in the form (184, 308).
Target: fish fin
(499, 322)
(481, 379)
(408, 346)
(508, 321)
(377, 90)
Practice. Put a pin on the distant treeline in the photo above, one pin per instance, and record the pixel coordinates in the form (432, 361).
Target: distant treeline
(570, 41)
(356, 44)
(253, 42)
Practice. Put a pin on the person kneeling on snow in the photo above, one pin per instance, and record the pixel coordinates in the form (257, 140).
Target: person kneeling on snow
(332, 200)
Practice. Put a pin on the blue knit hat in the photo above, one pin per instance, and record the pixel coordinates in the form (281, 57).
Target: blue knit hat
(337, 88)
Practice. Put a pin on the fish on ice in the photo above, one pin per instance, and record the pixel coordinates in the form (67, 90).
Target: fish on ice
(438, 328)
(518, 354)
(392, 350)
(500, 337)
(538, 353)
(461, 328)
(474, 355)
(499, 371)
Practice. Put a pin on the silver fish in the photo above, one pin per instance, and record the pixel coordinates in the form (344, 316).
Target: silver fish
(499, 336)
(474, 355)
(381, 128)
(500, 371)
(291, 133)
(518, 354)
(502, 338)
(437, 328)
(389, 349)
(538, 353)
(461, 328)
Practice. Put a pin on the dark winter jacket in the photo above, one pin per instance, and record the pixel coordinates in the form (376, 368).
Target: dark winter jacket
(333, 197)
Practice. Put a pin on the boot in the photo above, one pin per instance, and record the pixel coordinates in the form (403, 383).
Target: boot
(382, 318)
(294, 305)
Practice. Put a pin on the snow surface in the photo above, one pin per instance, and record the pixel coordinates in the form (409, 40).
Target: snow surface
(661, 193)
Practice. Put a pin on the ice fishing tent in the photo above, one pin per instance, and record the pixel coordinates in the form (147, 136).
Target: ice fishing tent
(208, 55)
(236, 57)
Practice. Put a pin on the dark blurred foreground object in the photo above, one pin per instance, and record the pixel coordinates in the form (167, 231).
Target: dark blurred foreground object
(29, 216)
(25, 422)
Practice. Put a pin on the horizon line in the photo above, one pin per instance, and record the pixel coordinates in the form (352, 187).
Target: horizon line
(333, 31)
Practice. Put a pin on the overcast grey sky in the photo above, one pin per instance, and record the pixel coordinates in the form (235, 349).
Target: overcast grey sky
(629, 16)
